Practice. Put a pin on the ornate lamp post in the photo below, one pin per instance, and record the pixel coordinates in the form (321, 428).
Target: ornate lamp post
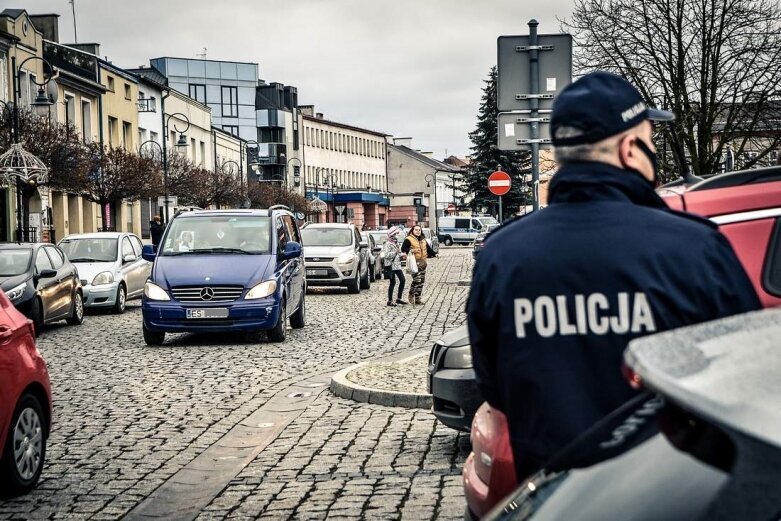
(180, 144)
(296, 171)
(329, 178)
(244, 201)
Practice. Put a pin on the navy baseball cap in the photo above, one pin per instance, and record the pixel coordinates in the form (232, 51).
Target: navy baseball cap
(597, 106)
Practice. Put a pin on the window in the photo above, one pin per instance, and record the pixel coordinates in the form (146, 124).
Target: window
(70, 109)
(56, 257)
(127, 139)
(230, 102)
(773, 264)
(86, 121)
(137, 245)
(198, 92)
(292, 229)
(462, 224)
(110, 83)
(127, 91)
(127, 248)
(233, 129)
(42, 262)
(203, 153)
(281, 235)
(113, 130)
(271, 135)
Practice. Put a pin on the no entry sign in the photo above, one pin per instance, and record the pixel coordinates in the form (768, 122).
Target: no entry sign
(499, 183)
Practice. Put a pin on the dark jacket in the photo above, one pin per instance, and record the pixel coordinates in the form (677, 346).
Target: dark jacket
(406, 246)
(156, 230)
(556, 297)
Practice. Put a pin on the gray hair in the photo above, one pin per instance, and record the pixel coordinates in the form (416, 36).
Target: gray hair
(584, 152)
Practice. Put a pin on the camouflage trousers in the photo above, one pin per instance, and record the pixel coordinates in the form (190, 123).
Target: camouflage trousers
(418, 280)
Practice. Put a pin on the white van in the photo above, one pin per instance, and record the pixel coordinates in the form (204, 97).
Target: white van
(455, 229)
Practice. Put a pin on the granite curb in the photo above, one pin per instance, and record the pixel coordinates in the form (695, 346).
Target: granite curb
(342, 387)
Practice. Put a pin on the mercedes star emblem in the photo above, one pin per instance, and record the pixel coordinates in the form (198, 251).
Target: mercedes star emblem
(207, 294)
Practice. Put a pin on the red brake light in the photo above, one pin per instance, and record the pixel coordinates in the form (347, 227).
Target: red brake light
(634, 379)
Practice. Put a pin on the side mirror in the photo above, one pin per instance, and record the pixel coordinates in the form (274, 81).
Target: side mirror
(377, 249)
(292, 250)
(363, 245)
(47, 274)
(149, 252)
(129, 258)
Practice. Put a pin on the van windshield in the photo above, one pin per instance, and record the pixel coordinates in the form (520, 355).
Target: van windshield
(326, 236)
(219, 234)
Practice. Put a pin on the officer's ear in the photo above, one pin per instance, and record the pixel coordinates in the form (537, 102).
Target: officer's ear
(628, 153)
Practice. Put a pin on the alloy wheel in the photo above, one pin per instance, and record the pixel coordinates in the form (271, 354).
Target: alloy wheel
(28, 443)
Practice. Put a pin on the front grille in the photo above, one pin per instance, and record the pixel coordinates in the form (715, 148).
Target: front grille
(330, 274)
(201, 293)
(318, 259)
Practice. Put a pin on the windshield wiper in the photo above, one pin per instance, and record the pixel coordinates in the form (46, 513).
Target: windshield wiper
(222, 250)
(87, 259)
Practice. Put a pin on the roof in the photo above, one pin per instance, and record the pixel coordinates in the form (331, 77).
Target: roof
(433, 163)
(202, 60)
(96, 235)
(330, 225)
(725, 371)
(104, 64)
(13, 13)
(150, 75)
(455, 161)
(342, 125)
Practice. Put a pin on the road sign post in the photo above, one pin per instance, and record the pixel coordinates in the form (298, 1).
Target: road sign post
(499, 183)
(540, 65)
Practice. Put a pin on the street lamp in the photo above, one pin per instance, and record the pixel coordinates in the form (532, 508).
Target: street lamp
(296, 171)
(180, 143)
(244, 202)
(429, 179)
(331, 178)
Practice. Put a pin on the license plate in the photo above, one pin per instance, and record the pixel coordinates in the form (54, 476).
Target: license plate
(316, 273)
(208, 313)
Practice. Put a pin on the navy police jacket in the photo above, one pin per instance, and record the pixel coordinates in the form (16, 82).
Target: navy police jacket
(557, 295)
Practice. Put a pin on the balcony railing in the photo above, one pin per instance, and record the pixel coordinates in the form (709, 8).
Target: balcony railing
(147, 105)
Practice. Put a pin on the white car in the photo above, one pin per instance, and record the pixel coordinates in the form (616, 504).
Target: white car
(336, 255)
(110, 267)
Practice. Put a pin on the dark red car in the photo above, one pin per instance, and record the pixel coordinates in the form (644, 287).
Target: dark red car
(25, 403)
(747, 207)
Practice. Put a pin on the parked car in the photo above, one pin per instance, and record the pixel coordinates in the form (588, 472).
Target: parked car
(464, 230)
(432, 239)
(226, 270)
(336, 256)
(747, 207)
(481, 237)
(380, 238)
(25, 403)
(697, 445)
(41, 283)
(375, 260)
(110, 267)
(452, 380)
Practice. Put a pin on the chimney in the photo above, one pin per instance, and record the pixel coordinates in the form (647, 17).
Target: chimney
(403, 142)
(319, 115)
(48, 24)
(307, 110)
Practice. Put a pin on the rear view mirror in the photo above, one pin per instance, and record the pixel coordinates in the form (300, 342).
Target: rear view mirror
(129, 258)
(148, 253)
(363, 245)
(292, 250)
(47, 274)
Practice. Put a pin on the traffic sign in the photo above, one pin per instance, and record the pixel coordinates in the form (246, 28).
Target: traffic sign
(499, 183)
(514, 132)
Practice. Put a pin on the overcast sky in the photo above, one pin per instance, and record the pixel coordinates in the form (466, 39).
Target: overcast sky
(411, 68)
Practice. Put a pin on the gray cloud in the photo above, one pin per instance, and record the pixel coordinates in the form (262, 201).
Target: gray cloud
(406, 67)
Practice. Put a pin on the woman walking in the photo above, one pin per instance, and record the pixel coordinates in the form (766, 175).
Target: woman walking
(418, 250)
(391, 254)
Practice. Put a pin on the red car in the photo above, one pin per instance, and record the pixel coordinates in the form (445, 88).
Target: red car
(747, 207)
(25, 403)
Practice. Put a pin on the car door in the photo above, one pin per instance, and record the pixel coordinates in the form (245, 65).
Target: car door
(66, 280)
(141, 269)
(361, 253)
(127, 269)
(297, 265)
(46, 287)
(284, 266)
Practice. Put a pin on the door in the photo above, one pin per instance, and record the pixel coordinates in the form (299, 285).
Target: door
(141, 269)
(66, 281)
(127, 268)
(298, 278)
(284, 266)
(47, 288)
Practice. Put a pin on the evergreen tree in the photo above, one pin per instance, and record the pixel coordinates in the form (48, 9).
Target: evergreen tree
(487, 158)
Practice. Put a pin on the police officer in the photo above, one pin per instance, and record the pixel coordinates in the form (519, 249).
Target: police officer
(556, 296)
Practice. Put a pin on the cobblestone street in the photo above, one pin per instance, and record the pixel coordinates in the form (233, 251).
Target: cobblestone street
(128, 417)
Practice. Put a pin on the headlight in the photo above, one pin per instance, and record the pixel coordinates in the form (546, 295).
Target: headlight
(104, 277)
(154, 292)
(264, 289)
(345, 258)
(16, 292)
(458, 358)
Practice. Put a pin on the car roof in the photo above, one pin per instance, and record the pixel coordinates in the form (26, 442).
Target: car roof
(725, 371)
(97, 235)
(230, 212)
(22, 245)
(330, 225)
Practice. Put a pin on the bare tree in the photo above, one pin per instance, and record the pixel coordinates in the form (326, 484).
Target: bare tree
(715, 63)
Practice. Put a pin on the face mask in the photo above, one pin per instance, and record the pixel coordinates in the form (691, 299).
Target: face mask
(651, 157)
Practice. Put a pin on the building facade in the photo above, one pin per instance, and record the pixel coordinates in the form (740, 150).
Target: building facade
(344, 166)
(418, 184)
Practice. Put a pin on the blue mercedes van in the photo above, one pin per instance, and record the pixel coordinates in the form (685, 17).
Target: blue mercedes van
(226, 270)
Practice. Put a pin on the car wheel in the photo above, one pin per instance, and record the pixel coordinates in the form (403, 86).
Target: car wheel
(448, 241)
(25, 447)
(36, 315)
(279, 331)
(153, 338)
(365, 282)
(373, 273)
(77, 313)
(121, 301)
(298, 319)
(354, 287)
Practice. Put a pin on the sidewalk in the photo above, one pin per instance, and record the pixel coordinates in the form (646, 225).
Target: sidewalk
(394, 382)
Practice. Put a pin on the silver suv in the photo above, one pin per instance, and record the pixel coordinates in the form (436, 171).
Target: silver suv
(336, 255)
